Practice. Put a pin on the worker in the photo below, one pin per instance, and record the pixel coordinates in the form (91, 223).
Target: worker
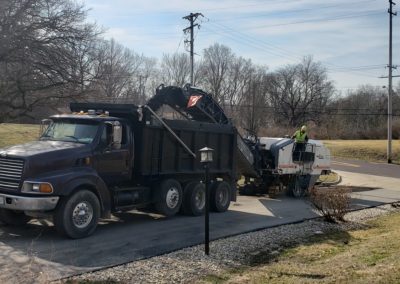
(301, 138)
(301, 135)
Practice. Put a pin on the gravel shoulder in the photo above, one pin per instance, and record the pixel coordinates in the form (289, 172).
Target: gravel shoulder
(191, 265)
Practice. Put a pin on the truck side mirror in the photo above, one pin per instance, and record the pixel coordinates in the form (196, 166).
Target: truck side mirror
(117, 135)
(113, 135)
(44, 124)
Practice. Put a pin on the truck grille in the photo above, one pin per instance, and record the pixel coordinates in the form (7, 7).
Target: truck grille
(10, 173)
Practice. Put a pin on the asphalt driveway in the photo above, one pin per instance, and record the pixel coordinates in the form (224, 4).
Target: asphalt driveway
(36, 253)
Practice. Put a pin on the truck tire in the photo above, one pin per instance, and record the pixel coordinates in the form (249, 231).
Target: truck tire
(169, 197)
(298, 186)
(306, 183)
(12, 217)
(247, 189)
(77, 215)
(194, 199)
(220, 198)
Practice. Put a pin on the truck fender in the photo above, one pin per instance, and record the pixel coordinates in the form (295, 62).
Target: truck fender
(96, 184)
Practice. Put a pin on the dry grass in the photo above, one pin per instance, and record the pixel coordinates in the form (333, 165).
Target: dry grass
(329, 178)
(363, 256)
(11, 134)
(369, 150)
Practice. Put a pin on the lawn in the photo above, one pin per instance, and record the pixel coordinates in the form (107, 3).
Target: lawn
(11, 134)
(369, 255)
(369, 150)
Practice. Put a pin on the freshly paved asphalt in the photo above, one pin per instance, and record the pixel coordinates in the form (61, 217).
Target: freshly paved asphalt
(37, 250)
(35, 253)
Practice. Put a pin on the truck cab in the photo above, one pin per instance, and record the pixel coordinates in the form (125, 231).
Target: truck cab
(82, 152)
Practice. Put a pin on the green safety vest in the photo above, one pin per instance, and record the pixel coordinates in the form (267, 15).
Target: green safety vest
(300, 137)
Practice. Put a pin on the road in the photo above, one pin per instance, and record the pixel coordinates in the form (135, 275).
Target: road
(363, 167)
(36, 253)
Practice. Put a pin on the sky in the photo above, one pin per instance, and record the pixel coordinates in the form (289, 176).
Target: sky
(349, 37)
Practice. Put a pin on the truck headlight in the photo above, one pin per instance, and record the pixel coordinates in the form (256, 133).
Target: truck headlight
(37, 187)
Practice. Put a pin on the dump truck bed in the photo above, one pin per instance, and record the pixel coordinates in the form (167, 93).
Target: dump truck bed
(161, 154)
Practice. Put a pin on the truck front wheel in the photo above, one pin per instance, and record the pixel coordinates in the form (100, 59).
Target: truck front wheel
(169, 197)
(15, 218)
(220, 196)
(77, 215)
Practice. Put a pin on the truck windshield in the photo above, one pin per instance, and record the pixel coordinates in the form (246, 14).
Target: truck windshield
(71, 131)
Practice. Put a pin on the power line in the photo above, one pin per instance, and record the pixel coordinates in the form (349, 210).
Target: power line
(180, 42)
(348, 16)
(294, 11)
(225, 8)
(328, 111)
(281, 52)
(248, 43)
(362, 67)
(245, 39)
(259, 43)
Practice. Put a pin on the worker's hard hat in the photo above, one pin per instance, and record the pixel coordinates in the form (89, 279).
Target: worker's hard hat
(304, 128)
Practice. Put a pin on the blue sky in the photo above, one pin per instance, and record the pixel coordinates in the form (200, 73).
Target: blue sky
(349, 37)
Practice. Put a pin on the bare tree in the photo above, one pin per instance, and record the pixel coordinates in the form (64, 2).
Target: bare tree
(117, 68)
(217, 60)
(240, 74)
(254, 108)
(225, 75)
(299, 93)
(175, 69)
(237, 84)
(361, 113)
(140, 86)
(40, 44)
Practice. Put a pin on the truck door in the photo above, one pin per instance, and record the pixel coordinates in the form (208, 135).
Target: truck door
(113, 164)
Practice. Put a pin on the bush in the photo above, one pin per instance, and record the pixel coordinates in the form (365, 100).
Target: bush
(332, 203)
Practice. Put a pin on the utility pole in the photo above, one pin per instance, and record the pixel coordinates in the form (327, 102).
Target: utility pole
(192, 17)
(390, 91)
(253, 99)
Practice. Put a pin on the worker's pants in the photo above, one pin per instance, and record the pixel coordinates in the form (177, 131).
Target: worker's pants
(298, 151)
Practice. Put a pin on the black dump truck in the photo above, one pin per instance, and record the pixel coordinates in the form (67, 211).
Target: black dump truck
(104, 158)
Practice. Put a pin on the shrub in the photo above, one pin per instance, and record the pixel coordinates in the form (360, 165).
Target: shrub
(332, 203)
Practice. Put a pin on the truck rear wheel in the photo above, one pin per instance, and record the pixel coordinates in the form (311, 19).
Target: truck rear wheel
(194, 199)
(220, 196)
(247, 189)
(12, 217)
(77, 215)
(169, 197)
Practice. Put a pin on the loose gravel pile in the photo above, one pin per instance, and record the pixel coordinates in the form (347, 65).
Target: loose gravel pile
(189, 264)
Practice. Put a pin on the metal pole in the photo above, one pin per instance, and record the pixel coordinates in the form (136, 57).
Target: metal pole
(389, 122)
(171, 131)
(207, 214)
(253, 120)
(191, 18)
(191, 50)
